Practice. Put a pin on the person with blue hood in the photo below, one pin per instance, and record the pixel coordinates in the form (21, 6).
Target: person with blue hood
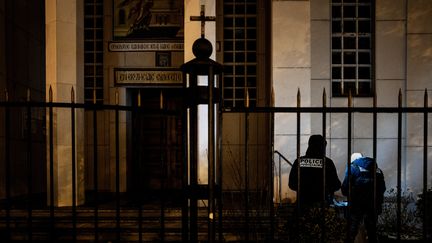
(312, 165)
(365, 187)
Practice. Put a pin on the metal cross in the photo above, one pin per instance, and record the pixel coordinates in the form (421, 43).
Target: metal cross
(203, 19)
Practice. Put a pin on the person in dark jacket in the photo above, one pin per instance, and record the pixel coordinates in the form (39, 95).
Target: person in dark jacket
(363, 194)
(312, 165)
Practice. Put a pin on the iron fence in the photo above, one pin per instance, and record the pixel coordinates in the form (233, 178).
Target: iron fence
(256, 217)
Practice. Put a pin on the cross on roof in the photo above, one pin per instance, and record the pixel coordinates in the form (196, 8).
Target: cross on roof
(203, 19)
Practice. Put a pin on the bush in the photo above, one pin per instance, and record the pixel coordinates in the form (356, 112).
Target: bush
(410, 222)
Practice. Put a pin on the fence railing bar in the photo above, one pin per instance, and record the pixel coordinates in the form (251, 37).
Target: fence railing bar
(399, 169)
(51, 164)
(374, 154)
(348, 165)
(95, 173)
(74, 188)
(298, 193)
(7, 169)
(117, 167)
(246, 171)
(219, 176)
(324, 134)
(163, 148)
(29, 170)
(425, 168)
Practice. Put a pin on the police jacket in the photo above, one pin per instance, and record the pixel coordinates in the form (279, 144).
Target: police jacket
(311, 177)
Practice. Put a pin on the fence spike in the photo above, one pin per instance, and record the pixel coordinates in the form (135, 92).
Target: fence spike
(349, 98)
(94, 95)
(50, 94)
(324, 98)
(298, 98)
(72, 95)
(117, 97)
(426, 104)
(374, 99)
(247, 98)
(139, 98)
(400, 98)
(161, 101)
(272, 100)
(28, 94)
(6, 95)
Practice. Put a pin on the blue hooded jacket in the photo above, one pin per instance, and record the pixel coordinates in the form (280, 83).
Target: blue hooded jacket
(362, 184)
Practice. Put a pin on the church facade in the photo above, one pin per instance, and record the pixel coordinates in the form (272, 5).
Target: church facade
(129, 53)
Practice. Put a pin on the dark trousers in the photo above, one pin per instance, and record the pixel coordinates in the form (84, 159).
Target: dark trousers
(369, 219)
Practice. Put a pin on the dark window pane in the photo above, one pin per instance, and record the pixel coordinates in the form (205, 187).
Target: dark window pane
(228, 34)
(365, 88)
(349, 12)
(240, 45)
(228, 9)
(228, 93)
(336, 73)
(251, 70)
(336, 12)
(336, 58)
(239, 9)
(364, 73)
(228, 22)
(251, 22)
(88, 57)
(228, 70)
(99, 34)
(239, 93)
(364, 26)
(364, 43)
(239, 22)
(336, 26)
(349, 72)
(364, 58)
(251, 57)
(239, 33)
(349, 42)
(349, 57)
(364, 12)
(336, 42)
(228, 82)
(251, 34)
(228, 57)
(349, 26)
(240, 57)
(349, 87)
(251, 8)
(336, 89)
(239, 70)
(251, 82)
(228, 45)
(251, 45)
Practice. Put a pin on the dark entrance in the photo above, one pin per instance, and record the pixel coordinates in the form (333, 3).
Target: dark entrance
(155, 143)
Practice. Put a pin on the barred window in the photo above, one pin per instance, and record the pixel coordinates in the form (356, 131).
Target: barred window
(93, 50)
(239, 52)
(352, 57)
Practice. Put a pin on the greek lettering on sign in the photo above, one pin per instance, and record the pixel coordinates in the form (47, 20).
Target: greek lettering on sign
(125, 77)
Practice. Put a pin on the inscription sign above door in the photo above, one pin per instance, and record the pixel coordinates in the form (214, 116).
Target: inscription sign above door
(150, 77)
(145, 46)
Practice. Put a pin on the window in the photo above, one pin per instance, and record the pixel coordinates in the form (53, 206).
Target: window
(93, 50)
(352, 47)
(239, 52)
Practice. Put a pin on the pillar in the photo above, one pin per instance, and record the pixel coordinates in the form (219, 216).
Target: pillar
(64, 71)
